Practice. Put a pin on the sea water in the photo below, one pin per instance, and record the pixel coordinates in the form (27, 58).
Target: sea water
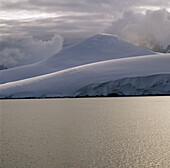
(85, 133)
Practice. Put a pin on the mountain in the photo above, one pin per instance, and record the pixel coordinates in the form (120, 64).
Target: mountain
(97, 48)
(127, 76)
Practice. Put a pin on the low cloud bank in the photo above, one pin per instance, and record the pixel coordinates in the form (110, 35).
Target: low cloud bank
(17, 51)
(151, 29)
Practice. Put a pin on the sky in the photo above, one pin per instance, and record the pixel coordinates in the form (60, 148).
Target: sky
(140, 22)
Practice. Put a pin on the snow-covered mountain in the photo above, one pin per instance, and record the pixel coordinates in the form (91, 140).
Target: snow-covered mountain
(76, 81)
(99, 66)
(97, 48)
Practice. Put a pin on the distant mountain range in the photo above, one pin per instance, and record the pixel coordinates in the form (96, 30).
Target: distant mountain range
(101, 65)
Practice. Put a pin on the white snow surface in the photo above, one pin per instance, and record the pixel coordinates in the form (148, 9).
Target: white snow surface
(99, 66)
(97, 48)
(70, 82)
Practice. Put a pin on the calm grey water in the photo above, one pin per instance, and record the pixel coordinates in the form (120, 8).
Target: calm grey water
(86, 133)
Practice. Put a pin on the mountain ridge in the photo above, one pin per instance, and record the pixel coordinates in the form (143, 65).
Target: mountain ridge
(66, 82)
(97, 48)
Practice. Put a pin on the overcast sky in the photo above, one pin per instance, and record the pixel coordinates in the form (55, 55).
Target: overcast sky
(78, 19)
(71, 18)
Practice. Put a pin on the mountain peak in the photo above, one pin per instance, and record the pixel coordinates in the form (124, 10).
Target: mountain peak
(107, 44)
(104, 40)
(104, 35)
(99, 47)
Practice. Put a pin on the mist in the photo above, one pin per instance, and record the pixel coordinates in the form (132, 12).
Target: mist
(23, 50)
(150, 29)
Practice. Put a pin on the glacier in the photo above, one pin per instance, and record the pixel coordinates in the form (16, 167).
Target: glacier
(102, 65)
(97, 48)
(66, 82)
(147, 85)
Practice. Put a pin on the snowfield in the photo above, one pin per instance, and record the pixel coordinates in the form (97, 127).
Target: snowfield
(98, 48)
(67, 82)
(99, 66)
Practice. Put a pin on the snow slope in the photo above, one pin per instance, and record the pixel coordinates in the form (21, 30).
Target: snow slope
(70, 82)
(97, 48)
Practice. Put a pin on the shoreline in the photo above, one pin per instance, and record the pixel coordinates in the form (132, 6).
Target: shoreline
(75, 97)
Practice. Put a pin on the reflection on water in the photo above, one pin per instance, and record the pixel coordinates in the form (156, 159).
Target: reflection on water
(96, 133)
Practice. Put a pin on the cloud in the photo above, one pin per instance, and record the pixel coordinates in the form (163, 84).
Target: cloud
(81, 6)
(73, 19)
(149, 29)
(28, 16)
(21, 50)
